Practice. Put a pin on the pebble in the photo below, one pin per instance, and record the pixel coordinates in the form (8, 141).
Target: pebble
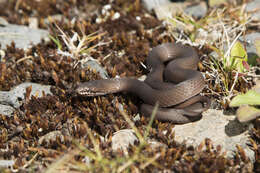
(94, 65)
(169, 10)
(51, 136)
(250, 39)
(197, 11)
(122, 139)
(163, 12)
(151, 4)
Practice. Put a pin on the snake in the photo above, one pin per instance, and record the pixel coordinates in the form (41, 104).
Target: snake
(173, 83)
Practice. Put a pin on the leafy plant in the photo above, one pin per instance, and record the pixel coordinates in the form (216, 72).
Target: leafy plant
(238, 58)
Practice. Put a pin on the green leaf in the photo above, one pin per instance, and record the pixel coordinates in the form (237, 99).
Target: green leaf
(257, 46)
(237, 56)
(213, 3)
(250, 98)
(56, 41)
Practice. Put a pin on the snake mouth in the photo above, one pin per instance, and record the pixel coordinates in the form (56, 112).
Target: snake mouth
(94, 94)
(89, 93)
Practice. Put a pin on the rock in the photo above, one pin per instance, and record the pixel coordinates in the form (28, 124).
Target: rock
(149, 5)
(169, 10)
(51, 136)
(94, 65)
(122, 139)
(15, 97)
(253, 7)
(155, 144)
(250, 40)
(22, 36)
(6, 110)
(197, 11)
(163, 12)
(223, 130)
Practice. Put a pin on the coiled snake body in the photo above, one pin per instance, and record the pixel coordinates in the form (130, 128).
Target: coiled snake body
(173, 82)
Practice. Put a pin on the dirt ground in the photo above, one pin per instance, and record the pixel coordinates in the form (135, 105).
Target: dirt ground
(126, 43)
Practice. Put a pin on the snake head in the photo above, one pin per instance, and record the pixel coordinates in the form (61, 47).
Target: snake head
(95, 88)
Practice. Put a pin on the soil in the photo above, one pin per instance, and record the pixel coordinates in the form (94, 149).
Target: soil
(127, 42)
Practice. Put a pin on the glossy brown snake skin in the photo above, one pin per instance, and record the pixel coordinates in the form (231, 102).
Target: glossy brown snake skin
(173, 82)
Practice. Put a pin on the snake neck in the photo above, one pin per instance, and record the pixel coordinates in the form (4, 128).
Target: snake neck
(139, 88)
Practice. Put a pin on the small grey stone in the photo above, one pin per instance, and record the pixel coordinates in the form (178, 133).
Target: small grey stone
(94, 65)
(122, 139)
(22, 36)
(163, 12)
(155, 144)
(254, 7)
(6, 110)
(51, 136)
(151, 4)
(15, 97)
(167, 10)
(198, 10)
(250, 41)
(223, 130)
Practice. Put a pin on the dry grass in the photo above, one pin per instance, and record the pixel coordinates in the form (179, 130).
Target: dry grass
(78, 46)
(97, 161)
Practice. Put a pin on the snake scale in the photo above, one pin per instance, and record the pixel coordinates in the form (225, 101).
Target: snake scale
(173, 82)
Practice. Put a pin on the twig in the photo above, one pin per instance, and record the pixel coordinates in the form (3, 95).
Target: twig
(30, 161)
